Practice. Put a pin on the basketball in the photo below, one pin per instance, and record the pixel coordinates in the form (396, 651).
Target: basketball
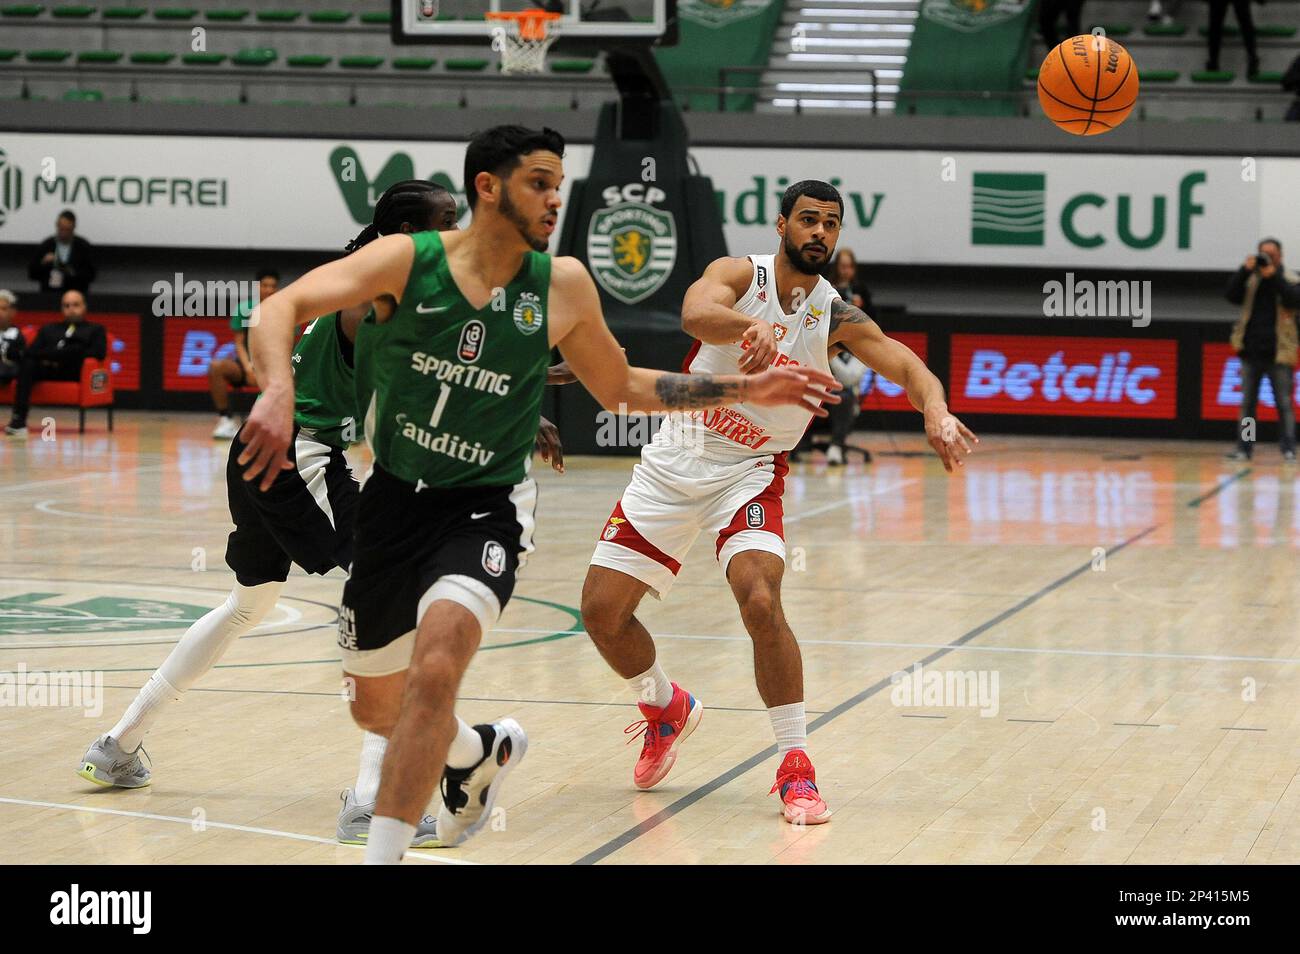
(1088, 85)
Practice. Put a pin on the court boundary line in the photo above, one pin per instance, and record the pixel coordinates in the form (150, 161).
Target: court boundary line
(223, 826)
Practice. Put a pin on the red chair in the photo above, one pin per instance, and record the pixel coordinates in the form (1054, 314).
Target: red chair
(95, 389)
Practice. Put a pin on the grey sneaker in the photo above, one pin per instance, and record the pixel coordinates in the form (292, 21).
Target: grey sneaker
(17, 433)
(354, 824)
(1237, 455)
(1288, 457)
(106, 763)
(469, 794)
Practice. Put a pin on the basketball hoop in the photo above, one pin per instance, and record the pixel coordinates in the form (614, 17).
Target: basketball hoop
(524, 39)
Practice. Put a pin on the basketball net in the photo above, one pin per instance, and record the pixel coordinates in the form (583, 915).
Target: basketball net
(522, 38)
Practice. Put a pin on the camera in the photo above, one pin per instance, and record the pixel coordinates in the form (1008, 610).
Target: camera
(1262, 261)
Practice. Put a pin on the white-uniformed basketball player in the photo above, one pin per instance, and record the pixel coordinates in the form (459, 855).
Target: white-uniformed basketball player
(722, 471)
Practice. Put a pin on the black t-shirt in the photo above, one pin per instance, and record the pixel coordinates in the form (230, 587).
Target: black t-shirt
(1260, 342)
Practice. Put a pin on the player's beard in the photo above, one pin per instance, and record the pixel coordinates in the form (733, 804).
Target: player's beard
(516, 218)
(795, 256)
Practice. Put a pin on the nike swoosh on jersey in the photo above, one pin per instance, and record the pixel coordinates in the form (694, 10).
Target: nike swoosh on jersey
(430, 311)
(479, 516)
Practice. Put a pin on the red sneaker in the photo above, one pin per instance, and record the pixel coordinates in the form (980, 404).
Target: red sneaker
(796, 780)
(665, 730)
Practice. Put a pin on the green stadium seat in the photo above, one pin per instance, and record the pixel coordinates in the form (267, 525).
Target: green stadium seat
(376, 16)
(228, 16)
(47, 56)
(1227, 30)
(309, 60)
(99, 56)
(298, 103)
(21, 10)
(580, 66)
(175, 13)
(7, 55)
(1266, 77)
(124, 13)
(330, 16)
(278, 16)
(1164, 29)
(1031, 75)
(83, 96)
(466, 65)
(73, 11)
(413, 63)
(152, 58)
(1158, 76)
(1115, 29)
(1276, 29)
(203, 59)
(361, 62)
(1210, 76)
(255, 56)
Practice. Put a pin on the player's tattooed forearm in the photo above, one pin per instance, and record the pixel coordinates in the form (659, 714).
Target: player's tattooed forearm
(692, 390)
(844, 313)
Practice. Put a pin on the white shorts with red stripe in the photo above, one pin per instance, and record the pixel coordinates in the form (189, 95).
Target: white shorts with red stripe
(675, 494)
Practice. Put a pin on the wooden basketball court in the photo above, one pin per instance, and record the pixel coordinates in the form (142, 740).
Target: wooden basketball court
(1128, 607)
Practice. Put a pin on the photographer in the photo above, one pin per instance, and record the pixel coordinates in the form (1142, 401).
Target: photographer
(1264, 337)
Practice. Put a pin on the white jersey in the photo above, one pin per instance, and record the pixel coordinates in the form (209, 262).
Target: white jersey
(746, 430)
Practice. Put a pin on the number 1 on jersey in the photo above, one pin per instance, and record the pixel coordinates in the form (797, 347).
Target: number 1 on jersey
(444, 392)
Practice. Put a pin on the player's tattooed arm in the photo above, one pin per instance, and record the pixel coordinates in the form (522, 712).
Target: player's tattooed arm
(679, 391)
(844, 313)
(598, 362)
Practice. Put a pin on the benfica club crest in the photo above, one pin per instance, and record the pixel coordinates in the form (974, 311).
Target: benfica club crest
(631, 248)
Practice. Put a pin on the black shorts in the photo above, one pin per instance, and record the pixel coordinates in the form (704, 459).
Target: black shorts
(464, 544)
(305, 518)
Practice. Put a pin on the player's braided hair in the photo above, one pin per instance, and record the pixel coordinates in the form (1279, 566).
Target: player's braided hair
(408, 202)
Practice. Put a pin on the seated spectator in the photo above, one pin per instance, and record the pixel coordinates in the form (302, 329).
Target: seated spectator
(56, 355)
(225, 373)
(849, 372)
(62, 261)
(12, 342)
(843, 274)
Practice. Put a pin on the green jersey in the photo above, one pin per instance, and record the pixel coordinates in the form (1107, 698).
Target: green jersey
(454, 392)
(324, 395)
(239, 320)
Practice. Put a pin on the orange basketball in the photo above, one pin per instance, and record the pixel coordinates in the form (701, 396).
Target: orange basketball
(1088, 85)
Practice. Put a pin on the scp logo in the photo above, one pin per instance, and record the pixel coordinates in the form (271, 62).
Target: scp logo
(471, 341)
(494, 558)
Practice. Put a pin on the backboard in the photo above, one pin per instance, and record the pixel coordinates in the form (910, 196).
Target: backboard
(432, 21)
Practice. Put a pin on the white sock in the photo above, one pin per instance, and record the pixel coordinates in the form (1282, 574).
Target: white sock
(388, 841)
(373, 748)
(790, 725)
(467, 748)
(200, 648)
(652, 687)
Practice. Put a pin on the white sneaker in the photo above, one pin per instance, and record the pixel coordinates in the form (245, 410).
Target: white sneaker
(468, 795)
(834, 456)
(227, 428)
